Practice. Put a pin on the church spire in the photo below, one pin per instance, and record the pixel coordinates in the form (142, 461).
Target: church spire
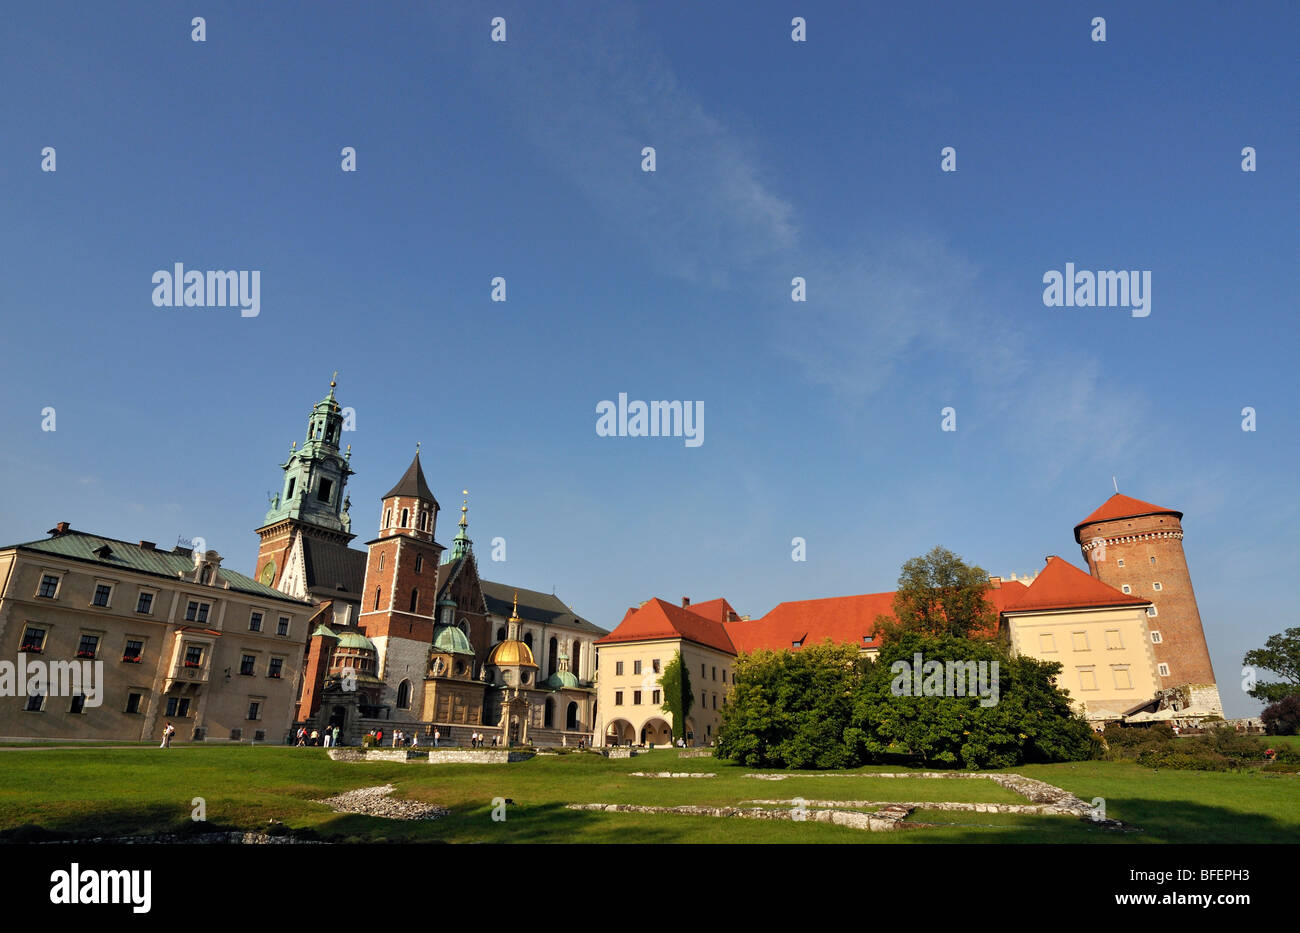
(316, 474)
(461, 544)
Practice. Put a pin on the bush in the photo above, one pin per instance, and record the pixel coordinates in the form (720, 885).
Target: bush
(1282, 717)
(1203, 760)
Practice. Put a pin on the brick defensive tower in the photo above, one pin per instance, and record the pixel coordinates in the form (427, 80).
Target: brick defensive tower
(1137, 548)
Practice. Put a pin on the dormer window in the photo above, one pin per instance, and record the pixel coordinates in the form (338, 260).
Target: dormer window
(205, 575)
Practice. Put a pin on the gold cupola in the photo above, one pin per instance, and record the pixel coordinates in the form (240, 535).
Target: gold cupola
(512, 652)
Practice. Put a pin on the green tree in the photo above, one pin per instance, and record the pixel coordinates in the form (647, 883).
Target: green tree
(1025, 719)
(939, 594)
(793, 709)
(676, 684)
(1281, 655)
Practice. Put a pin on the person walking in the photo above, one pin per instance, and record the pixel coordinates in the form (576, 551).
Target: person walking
(336, 736)
(167, 734)
(436, 736)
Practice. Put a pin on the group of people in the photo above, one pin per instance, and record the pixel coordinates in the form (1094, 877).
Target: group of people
(479, 740)
(328, 738)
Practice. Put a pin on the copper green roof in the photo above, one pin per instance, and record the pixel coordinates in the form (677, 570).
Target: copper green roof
(356, 640)
(561, 679)
(325, 630)
(450, 638)
(124, 555)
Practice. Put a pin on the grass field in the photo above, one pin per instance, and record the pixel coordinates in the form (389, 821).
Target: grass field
(105, 791)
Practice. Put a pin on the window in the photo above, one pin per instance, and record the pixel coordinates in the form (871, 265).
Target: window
(293, 481)
(1163, 669)
(636, 697)
(715, 673)
(323, 492)
(145, 604)
(406, 518)
(1155, 638)
(254, 710)
(501, 634)
(78, 704)
(636, 667)
(1047, 643)
(1120, 562)
(715, 701)
(206, 576)
(424, 521)
(793, 644)
(1151, 612)
(654, 665)
(133, 702)
(618, 668)
(246, 664)
(1153, 561)
(196, 612)
(1125, 588)
(33, 640)
(274, 670)
(1080, 641)
(378, 589)
(131, 653)
(868, 639)
(654, 697)
(49, 586)
(419, 562)
(1113, 640)
(528, 639)
(193, 655)
(255, 622)
(1123, 679)
(35, 703)
(282, 628)
(88, 647)
(102, 592)
(1157, 587)
(178, 706)
(618, 697)
(415, 597)
(388, 519)
(381, 560)
(404, 695)
(1087, 678)
(702, 668)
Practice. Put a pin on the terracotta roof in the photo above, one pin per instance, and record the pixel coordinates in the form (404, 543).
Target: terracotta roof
(1062, 585)
(658, 619)
(719, 610)
(842, 619)
(1120, 506)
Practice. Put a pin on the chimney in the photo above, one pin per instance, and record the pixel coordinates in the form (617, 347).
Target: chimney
(996, 582)
(60, 529)
(686, 601)
(147, 546)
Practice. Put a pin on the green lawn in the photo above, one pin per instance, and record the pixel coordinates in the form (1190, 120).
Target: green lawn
(96, 791)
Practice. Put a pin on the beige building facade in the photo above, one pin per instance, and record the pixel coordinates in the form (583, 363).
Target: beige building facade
(161, 636)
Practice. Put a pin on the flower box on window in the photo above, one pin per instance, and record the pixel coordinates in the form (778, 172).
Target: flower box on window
(32, 649)
(131, 659)
(276, 676)
(191, 663)
(86, 654)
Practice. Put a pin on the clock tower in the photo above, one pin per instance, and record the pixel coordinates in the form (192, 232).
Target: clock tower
(310, 512)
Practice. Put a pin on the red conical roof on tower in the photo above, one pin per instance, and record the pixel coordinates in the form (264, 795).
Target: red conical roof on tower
(1121, 506)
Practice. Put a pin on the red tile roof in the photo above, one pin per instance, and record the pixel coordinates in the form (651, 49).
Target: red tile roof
(1119, 506)
(1062, 585)
(719, 610)
(658, 619)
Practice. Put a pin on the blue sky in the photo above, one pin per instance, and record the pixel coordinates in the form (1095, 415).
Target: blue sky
(775, 159)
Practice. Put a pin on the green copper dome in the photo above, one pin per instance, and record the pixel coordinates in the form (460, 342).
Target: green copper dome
(451, 639)
(561, 679)
(356, 640)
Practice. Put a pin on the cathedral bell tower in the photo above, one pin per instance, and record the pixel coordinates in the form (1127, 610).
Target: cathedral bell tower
(400, 595)
(312, 500)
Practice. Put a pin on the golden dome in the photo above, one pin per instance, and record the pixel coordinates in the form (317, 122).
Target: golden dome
(512, 653)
